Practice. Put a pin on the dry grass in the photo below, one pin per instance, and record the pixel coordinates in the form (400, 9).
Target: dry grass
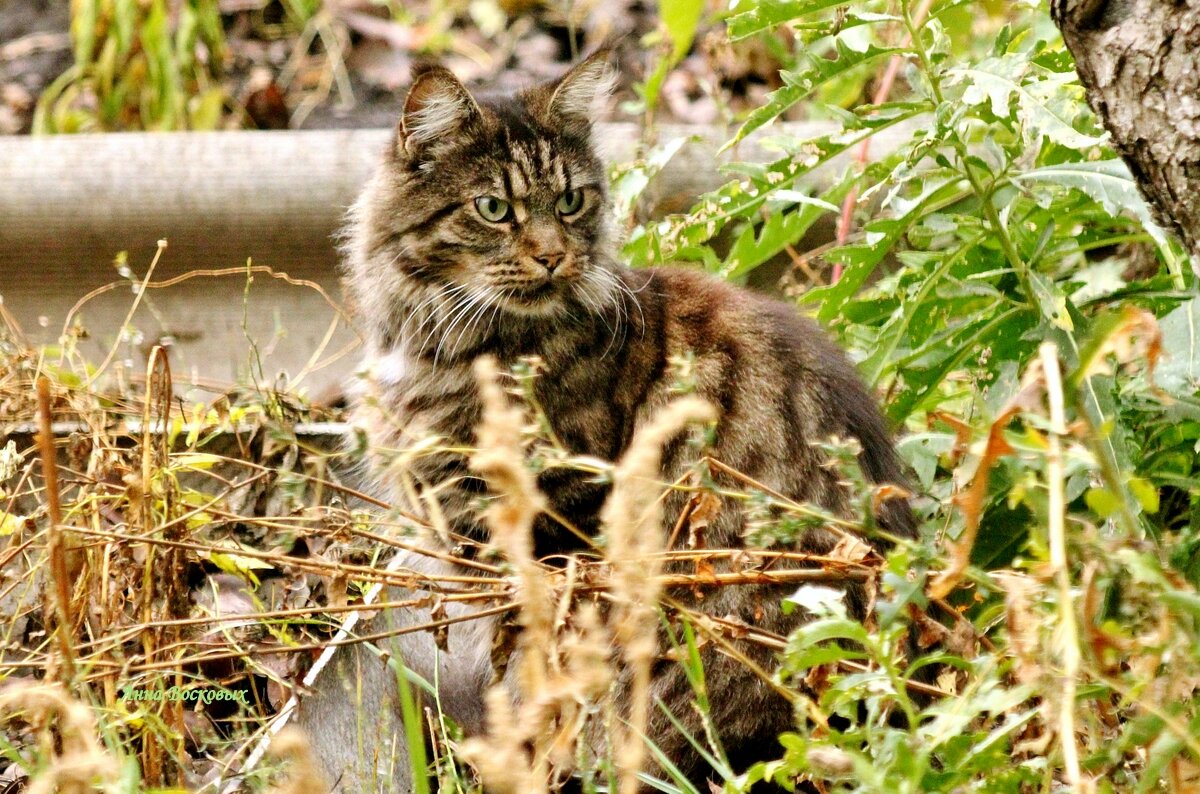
(215, 551)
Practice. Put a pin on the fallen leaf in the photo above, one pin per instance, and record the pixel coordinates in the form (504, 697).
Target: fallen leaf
(971, 499)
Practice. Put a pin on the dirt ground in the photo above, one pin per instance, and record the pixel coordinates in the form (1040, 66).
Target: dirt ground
(34, 49)
(354, 71)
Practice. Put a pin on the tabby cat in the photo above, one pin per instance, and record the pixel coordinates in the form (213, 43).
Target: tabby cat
(487, 231)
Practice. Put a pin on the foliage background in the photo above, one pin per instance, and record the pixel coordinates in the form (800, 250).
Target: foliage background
(1000, 283)
(1003, 241)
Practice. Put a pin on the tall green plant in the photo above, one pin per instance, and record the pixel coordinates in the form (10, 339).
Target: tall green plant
(1003, 222)
(139, 65)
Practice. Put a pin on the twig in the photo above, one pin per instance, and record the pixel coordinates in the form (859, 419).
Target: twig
(55, 542)
(365, 571)
(210, 273)
(137, 301)
(835, 525)
(1068, 635)
(787, 576)
(343, 637)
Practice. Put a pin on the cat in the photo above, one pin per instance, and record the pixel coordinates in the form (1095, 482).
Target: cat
(487, 230)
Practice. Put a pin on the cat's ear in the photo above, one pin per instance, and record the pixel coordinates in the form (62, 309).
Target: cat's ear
(583, 90)
(437, 105)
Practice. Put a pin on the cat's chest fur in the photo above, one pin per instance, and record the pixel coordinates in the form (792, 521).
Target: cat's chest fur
(592, 377)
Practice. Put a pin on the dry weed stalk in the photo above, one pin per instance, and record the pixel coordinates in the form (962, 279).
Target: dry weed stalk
(56, 542)
(501, 756)
(560, 674)
(557, 677)
(304, 775)
(633, 519)
(80, 764)
(1068, 631)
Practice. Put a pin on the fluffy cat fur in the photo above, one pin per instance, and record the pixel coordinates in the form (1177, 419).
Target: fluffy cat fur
(436, 284)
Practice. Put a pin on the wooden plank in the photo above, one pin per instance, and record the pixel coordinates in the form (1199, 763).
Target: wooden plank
(70, 203)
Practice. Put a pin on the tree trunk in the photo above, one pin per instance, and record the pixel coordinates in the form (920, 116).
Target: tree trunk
(1140, 63)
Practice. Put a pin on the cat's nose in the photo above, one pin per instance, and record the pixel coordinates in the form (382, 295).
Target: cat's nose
(549, 259)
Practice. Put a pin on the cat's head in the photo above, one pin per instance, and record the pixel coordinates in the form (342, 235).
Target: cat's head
(500, 200)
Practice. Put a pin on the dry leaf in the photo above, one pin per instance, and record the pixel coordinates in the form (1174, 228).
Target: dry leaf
(972, 498)
(930, 632)
(705, 571)
(1022, 623)
(441, 634)
(704, 508)
(851, 549)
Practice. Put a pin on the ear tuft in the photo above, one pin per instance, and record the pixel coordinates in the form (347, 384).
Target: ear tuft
(436, 105)
(583, 90)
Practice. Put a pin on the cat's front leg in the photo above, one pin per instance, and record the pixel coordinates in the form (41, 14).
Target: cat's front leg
(354, 714)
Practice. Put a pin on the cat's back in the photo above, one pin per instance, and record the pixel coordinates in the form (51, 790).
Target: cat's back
(752, 341)
(781, 384)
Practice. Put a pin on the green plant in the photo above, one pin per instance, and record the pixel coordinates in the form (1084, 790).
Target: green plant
(1000, 224)
(139, 65)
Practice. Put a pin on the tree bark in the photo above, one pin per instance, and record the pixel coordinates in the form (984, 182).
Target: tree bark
(1139, 61)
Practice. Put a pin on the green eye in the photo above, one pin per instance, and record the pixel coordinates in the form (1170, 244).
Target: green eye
(493, 210)
(570, 202)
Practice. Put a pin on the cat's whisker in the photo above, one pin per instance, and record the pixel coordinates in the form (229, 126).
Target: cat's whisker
(477, 297)
(498, 303)
(624, 288)
(470, 325)
(590, 278)
(449, 322)
(439, 294)
(447, 319)
(438, 315)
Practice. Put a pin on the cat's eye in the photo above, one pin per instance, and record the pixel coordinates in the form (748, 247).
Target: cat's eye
(492, 209)
(570, 202)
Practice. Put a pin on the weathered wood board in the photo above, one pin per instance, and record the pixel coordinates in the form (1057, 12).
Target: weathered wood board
(69, 204)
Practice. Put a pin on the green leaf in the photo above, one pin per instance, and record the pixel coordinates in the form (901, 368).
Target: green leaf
(414, 726)
(1145, 493)
(197, 460)
(667, 239)
(680, 18)
(125, 13)
(895, 330)
(947, 352)
(799, 83)
(10, 523)
(1051, 301)
(83, 30)
(630, 180)
(1105, 181)
(1179, 371)
(769, 13)
(860, 259)
(1102, 502)
(1047, 102)
(820, 631)
(756, 245)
